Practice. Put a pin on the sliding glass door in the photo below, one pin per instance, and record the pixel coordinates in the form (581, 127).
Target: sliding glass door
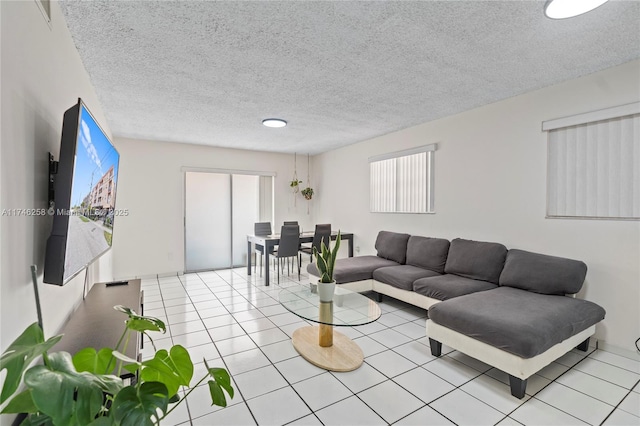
(220, 210)
(246, 211)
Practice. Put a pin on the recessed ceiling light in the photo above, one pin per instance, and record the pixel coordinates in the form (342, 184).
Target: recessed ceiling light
(561, 9)
(274, 122)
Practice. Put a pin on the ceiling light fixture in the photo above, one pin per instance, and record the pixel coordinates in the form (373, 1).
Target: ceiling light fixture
(561, 9)
(274, 122)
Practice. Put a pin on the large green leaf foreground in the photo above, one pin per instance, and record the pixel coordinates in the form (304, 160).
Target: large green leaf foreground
(80, 390)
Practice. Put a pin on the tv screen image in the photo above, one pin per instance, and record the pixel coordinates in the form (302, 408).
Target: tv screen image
(85, 195)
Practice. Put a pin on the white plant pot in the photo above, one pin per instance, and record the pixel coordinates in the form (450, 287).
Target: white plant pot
(326, 290)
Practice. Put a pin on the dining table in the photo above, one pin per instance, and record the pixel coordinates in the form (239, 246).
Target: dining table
(269, 242)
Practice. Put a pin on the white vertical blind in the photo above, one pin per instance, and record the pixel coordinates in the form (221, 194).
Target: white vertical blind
(207, 221)
(594, 169)
(402, 182)
(412, 183)
(245, 209)
(383, 185)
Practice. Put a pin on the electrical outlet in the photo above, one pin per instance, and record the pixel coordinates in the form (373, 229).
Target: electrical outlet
(357, 249)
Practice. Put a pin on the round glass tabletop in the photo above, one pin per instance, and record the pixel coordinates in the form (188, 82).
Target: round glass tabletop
(348, 308)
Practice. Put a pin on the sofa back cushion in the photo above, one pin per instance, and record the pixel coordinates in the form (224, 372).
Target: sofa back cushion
(427, 253)
(543, 274)
(392, 246)
(475, 259)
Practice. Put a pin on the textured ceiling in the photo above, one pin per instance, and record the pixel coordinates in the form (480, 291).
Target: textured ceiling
(338, 72)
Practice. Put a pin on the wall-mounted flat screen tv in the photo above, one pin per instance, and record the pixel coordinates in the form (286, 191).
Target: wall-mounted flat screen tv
(84, 197)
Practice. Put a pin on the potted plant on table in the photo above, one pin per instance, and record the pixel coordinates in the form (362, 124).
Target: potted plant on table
(325, 262)
(81, 390)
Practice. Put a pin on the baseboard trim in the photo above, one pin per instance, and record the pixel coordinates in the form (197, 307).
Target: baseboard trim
(627, 353)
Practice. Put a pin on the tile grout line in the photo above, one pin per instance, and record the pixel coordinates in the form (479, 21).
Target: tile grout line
(259, 348)
(276, 368)
(191, 419)
(170, 334)
(619, 403)
(246, 296)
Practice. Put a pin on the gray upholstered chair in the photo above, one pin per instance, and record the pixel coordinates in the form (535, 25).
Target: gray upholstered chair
(288, 247)
(322, 232)
(291, 222)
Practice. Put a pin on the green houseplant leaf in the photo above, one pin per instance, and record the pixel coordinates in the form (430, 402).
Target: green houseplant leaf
(53, 389)
(74, 391)
(326, 260)
(307, 193)
(333, 255)
(26, 348)
(100, 421)
(136, 406)
(38, 419)
(221, 380)
(92, 361)
(321, 264)
(173, 368)
(144, 324)
(141, 323)
(21, 403)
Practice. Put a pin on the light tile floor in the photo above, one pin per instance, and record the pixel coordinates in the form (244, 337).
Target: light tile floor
(234, 321)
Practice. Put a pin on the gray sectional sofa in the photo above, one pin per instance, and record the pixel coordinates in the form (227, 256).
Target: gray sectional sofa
(511, 309)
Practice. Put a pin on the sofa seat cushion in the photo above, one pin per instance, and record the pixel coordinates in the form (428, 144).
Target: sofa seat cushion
(448, 286)
(392, 246)
(541, 273)
(523, 323)
(401, 276)
(427, 253)
(352, 269)
(476, 260)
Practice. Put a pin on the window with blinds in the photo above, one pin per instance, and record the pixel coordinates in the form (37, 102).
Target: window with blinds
(402, 182)
(593, 166)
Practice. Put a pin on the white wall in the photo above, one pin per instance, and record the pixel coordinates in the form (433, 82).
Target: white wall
(42, 76)
(490, 185)
(150, 240)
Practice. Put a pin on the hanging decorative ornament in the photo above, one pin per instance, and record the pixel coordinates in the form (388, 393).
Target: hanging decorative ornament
(295, 183)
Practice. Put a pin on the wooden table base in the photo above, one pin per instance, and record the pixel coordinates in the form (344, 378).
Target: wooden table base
(343, 355)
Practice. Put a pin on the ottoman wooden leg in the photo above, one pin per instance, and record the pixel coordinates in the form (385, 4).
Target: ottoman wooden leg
(518, 386)
(436, 347)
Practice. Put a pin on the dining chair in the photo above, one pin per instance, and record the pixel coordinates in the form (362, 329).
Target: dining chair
(261, 229)
(292, 222)
(322, 232)
(288, 247)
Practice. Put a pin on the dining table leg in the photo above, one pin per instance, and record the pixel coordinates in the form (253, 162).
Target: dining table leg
(249, 258)
(267, 249)
(350, 240)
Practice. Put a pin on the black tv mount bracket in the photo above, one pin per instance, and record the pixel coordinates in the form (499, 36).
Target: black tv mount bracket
(53, 170)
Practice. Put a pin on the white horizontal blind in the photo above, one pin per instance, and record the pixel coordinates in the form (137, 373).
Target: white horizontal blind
(402, 182)
(594, 169)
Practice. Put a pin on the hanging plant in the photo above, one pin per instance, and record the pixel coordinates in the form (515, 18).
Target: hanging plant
(295, 185)
(307, 193)
(295, 182)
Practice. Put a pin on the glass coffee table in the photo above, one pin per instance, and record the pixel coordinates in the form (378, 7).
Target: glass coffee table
(321, 345)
